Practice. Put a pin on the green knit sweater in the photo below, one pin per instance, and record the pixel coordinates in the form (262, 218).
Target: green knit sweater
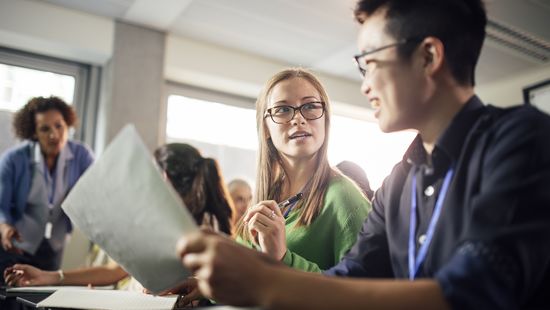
(322, 244)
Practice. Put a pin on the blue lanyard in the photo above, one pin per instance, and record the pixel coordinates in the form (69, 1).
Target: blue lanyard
(51, 177)
(416, 261)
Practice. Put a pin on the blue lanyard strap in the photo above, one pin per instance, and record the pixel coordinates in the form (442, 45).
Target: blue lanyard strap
(416, 261)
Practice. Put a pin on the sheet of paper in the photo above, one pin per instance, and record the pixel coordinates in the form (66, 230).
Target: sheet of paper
(106, 300)
(123, 204)
(50, 289)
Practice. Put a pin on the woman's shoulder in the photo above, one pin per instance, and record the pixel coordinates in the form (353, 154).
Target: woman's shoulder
(346, 201)
(80, 150)
(340, 183)
(78, 146)
(342, 189)
(18, 152)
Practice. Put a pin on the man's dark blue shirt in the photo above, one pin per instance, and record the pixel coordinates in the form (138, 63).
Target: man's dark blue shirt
(491, 245)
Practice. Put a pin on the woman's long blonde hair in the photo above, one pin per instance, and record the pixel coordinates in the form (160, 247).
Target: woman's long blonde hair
(271, 175)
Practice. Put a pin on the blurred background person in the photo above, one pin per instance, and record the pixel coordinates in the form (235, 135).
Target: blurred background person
(35, 177)
(358, 175)
(241, 193)
(200, 185)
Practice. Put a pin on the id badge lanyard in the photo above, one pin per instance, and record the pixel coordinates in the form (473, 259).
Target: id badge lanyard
(416, 260)
(51, 193)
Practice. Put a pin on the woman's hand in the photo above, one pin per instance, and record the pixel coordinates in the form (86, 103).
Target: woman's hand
(27, 275)
(266, 223)
(8, 233)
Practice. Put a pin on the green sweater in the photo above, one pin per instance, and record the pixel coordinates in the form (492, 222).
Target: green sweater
(322, 244)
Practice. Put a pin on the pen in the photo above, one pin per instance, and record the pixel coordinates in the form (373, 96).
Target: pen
(290, 200)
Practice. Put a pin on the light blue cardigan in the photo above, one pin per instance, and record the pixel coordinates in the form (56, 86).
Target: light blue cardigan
(16, 177)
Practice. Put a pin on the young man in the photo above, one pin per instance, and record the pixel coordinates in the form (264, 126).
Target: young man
(462, 222)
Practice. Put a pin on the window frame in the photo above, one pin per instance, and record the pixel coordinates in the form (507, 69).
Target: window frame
(87, 81)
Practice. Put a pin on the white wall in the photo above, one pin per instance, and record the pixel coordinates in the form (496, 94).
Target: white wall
(508, 91)
(50, 30)
(209, 66)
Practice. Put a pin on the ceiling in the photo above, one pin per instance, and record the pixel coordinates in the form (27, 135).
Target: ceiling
(320, 34)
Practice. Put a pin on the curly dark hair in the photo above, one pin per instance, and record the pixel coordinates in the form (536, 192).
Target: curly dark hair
(24, 123)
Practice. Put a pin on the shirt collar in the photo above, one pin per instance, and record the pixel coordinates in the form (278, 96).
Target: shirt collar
(451, 141)
(37, 158)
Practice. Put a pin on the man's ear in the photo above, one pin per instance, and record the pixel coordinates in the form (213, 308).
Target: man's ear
(433, 54)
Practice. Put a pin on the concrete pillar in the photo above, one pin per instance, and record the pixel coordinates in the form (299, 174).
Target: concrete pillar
(133, 84)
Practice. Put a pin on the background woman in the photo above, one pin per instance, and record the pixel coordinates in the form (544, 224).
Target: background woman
(293, 120)
(35, 177)
(200, 185)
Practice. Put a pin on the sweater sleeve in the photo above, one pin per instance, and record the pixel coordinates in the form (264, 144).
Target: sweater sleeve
(296, 261)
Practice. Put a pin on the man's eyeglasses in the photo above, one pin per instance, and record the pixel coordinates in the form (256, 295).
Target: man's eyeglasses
(366, 68)
(283, 114)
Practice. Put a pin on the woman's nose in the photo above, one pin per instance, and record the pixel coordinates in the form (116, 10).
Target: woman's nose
(298, 118)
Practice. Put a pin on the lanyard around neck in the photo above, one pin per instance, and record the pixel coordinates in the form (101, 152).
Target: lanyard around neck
(416, 260)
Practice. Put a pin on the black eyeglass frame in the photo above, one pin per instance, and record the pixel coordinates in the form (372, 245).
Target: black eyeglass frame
(378, 49)
(268, 112)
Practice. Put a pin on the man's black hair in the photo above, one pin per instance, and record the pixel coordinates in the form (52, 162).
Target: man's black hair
(459, 24)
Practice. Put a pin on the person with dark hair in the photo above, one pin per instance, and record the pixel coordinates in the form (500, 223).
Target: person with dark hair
(35, 177)
(199, 182)
(358, 175)
(463, 221)
(200, 185)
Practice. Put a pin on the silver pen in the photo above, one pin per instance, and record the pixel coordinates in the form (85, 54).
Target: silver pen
(290, 200)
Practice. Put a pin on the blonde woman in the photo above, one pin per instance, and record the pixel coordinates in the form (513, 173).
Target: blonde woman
(312, 234)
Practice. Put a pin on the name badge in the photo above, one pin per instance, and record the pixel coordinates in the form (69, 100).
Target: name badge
(48, 230)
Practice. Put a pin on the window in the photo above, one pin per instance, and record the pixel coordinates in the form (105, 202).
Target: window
(24, 75)
(225, 132)
(20, 84)
(538, 95)
(363, 143)
(228, 133)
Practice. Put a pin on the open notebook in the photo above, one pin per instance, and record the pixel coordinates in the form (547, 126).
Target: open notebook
(123, 204)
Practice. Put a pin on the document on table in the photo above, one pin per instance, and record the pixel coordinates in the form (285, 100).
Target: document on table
(106, 300)
(123, 204)
(49, 289)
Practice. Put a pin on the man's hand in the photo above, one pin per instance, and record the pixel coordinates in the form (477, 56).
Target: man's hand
(226, 271)
(8, 233)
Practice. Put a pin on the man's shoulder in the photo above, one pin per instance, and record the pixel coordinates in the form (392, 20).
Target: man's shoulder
(519, 122)
(524, 115)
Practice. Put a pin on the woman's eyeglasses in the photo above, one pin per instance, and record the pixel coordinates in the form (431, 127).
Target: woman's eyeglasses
(283, 114)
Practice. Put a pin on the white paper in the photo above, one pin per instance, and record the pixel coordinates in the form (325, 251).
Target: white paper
(123, 204)
(51, 289)
(106, 300)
